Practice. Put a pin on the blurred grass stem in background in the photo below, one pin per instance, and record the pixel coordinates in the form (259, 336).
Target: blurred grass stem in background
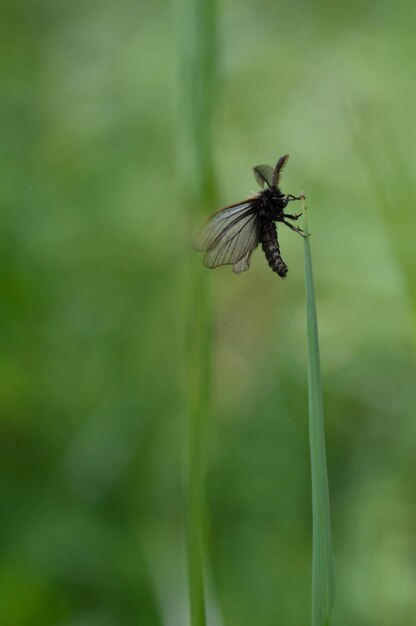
(197, 43)
(393, 189)
(322, 551)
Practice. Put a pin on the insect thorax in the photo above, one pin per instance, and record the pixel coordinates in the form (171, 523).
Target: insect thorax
(271, 203)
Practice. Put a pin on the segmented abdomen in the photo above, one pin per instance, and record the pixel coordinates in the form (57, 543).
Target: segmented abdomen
(270, 245)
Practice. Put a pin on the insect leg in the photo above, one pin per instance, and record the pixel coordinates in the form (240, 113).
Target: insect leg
(290, 197)
(297, 230)
(293, 217)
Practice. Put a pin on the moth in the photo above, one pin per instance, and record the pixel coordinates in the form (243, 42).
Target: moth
(232, 234)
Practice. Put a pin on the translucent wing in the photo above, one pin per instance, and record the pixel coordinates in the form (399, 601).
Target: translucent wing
(243, 264)
(237, 249)
(264, 175)
(278, 169)
(221, 225)
(230, 237)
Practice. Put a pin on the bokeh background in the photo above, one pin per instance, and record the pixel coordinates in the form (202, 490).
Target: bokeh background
(94, 247)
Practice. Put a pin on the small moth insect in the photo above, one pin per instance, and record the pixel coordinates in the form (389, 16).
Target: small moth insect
(232, 234)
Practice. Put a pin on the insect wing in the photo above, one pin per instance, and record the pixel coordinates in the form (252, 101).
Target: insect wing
(231, 235)
(243, 264)
(264, 175)
(221, 224)
(237, 248)
(278, 169)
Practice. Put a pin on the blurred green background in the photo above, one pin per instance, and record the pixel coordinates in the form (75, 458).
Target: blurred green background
(94, 248)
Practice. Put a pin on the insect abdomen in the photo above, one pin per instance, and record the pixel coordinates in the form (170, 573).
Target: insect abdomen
(270, 245)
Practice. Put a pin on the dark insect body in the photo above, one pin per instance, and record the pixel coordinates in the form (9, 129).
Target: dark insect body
(232, 234)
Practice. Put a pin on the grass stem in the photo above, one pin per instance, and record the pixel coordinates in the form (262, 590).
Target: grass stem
(322, 552)
(196, 97)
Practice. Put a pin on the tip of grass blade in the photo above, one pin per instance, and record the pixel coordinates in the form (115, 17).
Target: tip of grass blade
(303, 208)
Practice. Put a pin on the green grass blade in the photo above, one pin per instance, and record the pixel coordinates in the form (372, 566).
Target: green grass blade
(199, 398)
(196, 43)
(322, 553)
(383, 162)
